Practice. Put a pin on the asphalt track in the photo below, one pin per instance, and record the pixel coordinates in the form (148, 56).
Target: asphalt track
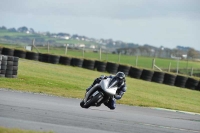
(64, 115)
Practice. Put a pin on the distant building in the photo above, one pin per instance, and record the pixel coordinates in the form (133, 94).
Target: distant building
(81, 45)
(92, 46)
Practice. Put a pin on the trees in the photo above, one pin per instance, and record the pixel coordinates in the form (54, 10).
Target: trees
(12, 30)
(192, 53)
(22, 29)
(3, 28)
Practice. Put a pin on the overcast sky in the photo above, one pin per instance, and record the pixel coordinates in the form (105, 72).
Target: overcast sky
(165, 23)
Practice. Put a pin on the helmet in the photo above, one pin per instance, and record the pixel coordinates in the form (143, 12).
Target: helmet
(120, 75)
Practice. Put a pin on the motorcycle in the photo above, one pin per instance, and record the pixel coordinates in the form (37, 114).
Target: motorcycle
(100, 93)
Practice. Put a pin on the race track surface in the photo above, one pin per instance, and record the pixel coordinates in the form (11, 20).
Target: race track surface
(64, 115)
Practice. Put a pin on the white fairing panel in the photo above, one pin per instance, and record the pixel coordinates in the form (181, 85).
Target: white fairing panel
(104, 85)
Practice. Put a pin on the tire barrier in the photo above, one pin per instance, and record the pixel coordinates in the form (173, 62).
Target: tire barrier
(65, 60)
(191, 83)
(198, 87)
(8, 66)
(1, 49)
(180, 81)
(112, 67)
(54, 59)
(20, 53)
(135, 72)
(158, 77)
(169, 79)
(32, 56)
(7, 51)
(88, 64)
(100, 66)
(147, 75)
(76, 62)
(43, 57)
(123, 68)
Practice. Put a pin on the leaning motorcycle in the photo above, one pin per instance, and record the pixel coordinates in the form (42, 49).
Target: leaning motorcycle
(100, 93)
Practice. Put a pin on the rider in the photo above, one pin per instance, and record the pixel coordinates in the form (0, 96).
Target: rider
(120, 90)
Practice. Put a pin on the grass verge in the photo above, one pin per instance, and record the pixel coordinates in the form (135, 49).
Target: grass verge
(67, 81)
(16, 130)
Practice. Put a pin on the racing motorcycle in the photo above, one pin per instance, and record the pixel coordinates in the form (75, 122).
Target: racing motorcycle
(100, 93)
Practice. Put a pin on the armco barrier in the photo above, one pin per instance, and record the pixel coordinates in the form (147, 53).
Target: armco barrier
(6, 68)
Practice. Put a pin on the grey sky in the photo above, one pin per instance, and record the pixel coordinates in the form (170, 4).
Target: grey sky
(156, 22)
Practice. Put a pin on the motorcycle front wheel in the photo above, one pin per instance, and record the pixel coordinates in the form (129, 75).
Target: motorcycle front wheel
(92, 100)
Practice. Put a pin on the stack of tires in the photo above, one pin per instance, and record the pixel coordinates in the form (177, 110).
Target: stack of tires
(88, 64)
(100, 66)
(112, 67)
(8, 66)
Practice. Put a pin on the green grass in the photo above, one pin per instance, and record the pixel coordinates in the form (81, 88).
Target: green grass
(70, 81)
(46, 38)
(16, 130)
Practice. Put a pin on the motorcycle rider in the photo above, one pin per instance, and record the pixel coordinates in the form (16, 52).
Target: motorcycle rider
(111, 103)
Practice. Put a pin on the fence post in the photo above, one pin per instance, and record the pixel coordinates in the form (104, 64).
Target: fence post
(153, 63)
(177, 66)
(66, 50)
(48, 47)
(169, 67)
(83, 52)
(191, 74)
(32, 44)
(136, 61)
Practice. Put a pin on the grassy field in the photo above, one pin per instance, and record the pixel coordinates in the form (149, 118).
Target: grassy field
(16, 130)
(16, 35)
(67, 81)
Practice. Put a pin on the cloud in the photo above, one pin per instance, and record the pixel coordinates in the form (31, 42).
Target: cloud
(113, 9)
(156, 22)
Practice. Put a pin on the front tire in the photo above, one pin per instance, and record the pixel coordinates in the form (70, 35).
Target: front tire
(92, 101)
(82, 104)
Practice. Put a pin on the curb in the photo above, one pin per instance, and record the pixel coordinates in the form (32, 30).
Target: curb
(185, 112)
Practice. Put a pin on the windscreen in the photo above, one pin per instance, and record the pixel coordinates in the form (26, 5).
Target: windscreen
(113, 82)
